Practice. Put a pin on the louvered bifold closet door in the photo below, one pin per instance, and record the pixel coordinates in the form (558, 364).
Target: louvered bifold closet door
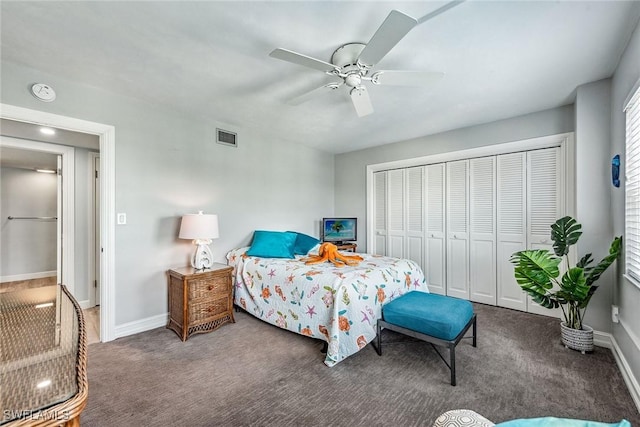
(415, 215)
(544, 203)
(435, 228)
(511, 173)
(380, 213)
(482, 228)
(458, 229)
(396, 229)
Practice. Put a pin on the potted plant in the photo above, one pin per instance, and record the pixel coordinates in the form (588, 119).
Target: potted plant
(537, 272)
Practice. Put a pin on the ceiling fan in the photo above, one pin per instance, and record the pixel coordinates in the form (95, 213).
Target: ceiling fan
(352, 63)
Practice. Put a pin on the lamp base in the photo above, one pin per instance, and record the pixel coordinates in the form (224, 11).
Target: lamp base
(202, 257)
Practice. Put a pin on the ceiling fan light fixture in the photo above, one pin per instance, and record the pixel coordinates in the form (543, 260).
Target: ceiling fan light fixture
(353, 80)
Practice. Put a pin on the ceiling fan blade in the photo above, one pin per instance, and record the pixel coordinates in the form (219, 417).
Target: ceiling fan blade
(440, 10)
(300, 59)
(361, 101)
(406, 78)
(392, 30)
(322, 90)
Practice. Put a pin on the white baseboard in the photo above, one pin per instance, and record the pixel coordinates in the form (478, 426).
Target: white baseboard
(84, 304)
(141, 325)
(603, 339)
(28, 276)
(634, 337)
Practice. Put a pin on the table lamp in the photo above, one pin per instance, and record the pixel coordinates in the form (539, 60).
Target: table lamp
(201, 229)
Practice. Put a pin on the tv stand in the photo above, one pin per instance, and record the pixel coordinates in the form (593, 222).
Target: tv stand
(346, 246)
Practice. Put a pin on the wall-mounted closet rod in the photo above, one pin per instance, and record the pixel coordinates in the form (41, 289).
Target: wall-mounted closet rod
(43, 218)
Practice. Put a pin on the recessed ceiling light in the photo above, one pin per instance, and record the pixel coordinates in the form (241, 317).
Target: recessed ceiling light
(48, 131)
(45, 170)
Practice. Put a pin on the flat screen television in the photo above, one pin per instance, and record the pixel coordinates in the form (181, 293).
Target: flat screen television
(339, 230)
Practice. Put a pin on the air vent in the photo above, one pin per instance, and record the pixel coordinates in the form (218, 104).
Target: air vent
(226, 138)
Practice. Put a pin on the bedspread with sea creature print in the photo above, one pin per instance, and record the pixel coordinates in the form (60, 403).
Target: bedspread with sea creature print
(337, 305)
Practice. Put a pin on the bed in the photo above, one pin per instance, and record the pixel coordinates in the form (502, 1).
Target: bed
(336, 305)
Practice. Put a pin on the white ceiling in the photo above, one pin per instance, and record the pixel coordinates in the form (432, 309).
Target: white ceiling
(210, 59)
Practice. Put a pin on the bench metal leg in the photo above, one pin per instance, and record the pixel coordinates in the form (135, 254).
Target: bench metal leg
(452, 362)
(475, 319)
(450, 344)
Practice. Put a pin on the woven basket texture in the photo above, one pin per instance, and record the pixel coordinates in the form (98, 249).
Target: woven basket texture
(577, 339)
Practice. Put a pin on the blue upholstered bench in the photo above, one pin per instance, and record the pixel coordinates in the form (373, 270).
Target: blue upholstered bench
(437, 319)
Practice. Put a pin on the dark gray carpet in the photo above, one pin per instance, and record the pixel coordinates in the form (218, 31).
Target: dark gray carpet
(254, 374)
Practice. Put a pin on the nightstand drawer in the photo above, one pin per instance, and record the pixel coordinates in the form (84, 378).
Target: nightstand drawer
(206, 309)
(208, 288)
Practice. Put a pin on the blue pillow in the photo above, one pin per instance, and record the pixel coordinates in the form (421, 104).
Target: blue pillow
(272, 244)
(559, 422)
(304, 243)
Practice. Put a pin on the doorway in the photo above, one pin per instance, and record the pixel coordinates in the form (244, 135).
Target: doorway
(63, 216)
(94, 231)
(106, 135)
(41, 217)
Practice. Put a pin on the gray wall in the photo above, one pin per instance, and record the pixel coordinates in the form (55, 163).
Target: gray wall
(351, 167)
(27, 246)
(168, 165)
(627, 295)
(593, 190)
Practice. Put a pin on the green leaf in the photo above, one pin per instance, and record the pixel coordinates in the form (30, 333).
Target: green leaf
(574, 285)
(595, 273)
(546, 301)
(585, 261)
(614, 252)
(534, 271)
(564, 233)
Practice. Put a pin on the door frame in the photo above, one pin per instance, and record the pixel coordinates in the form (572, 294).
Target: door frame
(92, 245)
(106, 134)
(67, 267)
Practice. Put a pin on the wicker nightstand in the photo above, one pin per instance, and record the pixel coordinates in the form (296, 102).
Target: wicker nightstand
(200, 301)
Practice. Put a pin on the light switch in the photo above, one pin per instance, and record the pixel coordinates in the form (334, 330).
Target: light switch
(122, 218)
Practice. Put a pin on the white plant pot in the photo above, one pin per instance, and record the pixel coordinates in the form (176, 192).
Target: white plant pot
(577, 339)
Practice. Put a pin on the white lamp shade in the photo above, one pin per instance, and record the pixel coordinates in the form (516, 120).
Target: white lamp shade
(199, 226)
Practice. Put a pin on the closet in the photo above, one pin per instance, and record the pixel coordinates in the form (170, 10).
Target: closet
(461, 220)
